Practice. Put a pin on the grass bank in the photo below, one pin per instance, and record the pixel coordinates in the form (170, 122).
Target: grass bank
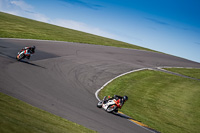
(17, 27)
(165, 102)
(19, 117)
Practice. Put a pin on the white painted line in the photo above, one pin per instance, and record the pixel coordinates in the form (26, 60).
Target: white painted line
(97, 92)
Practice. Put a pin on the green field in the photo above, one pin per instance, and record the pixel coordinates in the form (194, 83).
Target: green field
(19, 117)
(165, 102)
(17, 27)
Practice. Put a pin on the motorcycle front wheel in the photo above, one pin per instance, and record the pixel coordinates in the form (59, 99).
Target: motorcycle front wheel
(20, 57)
(100, 103)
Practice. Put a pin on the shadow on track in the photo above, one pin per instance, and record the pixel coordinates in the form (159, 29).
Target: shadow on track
(23, 61)
(9, 56)
(122, 115)
(32, 64)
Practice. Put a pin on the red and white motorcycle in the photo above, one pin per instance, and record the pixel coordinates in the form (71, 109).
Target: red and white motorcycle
(110, 106)
(23, 54)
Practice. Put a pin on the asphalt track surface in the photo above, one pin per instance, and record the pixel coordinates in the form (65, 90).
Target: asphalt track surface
(62, 78)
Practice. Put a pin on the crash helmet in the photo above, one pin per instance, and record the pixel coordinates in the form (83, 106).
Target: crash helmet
(33, 47)
(125, 98)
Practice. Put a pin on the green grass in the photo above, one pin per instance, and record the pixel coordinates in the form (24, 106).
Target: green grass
(17, 27)
(165, 102)
(191, 72)
(19, 117)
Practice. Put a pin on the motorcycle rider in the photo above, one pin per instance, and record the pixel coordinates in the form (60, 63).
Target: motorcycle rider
(120, 100)
(29, 51)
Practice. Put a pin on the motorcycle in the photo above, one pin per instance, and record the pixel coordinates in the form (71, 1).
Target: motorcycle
(109, 106)
(23, 54)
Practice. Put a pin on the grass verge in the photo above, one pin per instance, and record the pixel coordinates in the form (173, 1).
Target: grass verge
(19, 117)
(191, 72)
(165, 102)
(17, 27)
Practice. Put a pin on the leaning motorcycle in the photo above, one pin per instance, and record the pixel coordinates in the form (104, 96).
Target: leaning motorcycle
(109, 106)
(22, 54)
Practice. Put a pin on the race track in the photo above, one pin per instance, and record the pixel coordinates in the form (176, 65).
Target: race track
(62, 78)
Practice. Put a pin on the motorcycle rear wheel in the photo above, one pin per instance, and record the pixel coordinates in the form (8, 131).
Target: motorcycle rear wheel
(112, 108)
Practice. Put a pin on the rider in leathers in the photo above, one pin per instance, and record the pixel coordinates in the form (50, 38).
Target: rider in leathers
(29, 51)
(120, 100)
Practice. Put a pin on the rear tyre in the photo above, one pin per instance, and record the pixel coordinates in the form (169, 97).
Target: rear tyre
(115, 111)
(111, 109)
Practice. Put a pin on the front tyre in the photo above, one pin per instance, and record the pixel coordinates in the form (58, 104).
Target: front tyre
(100, 103)
(19, 57)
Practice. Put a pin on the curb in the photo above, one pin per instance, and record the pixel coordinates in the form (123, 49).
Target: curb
(97, 92)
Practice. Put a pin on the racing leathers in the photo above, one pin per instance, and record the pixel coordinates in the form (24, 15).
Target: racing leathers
(28, 51)
(119, 100)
